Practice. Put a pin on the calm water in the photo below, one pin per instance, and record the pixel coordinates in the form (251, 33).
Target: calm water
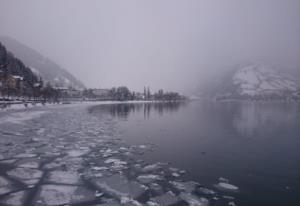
(255, 145)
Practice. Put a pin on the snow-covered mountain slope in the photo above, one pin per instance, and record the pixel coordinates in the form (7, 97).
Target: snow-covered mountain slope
(258, 79)
(255, 80)
(42, 66)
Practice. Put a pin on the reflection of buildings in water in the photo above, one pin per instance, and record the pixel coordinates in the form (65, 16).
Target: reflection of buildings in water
(249, 118)
(161, 108)
(123, 110)
(115, 110)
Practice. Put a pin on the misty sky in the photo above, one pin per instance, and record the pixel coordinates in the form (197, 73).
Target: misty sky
(173, 44)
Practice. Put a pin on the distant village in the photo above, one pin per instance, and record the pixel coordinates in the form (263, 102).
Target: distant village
(18, 84)
(14, 88)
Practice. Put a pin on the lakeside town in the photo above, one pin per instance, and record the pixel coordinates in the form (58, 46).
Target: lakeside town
(20, 83)
(14, 89)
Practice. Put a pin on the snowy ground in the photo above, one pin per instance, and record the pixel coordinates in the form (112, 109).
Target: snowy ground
(62, 155)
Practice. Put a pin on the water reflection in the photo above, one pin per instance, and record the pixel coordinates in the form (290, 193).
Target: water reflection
(123, 110)
(250, 118)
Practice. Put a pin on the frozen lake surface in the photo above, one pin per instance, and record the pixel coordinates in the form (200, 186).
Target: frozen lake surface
(197, 153)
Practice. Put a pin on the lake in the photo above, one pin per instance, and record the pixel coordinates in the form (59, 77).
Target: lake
(256, 145)
(181, 153)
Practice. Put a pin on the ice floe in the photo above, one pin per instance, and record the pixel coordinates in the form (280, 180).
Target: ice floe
(146, 179)
(156, 188)
(205, 191)
(5, 186)
(192, 200)
(151, 168)
(119, 186)
(227, 186)
(34, 164)
(166, 199)
(189, 186)
(117, 164)
(15, 199)
(62, 195)
(231, 204)
(8, 161)
(26, 175)
(64, 177)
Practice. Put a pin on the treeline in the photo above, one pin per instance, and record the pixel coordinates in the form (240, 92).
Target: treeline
(17, 81)
(12, 72)
(122, 93)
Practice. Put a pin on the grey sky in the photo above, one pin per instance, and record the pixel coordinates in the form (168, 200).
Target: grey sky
(172, 44)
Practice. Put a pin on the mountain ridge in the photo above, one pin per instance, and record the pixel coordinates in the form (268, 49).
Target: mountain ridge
(253, 81)
(41, 65)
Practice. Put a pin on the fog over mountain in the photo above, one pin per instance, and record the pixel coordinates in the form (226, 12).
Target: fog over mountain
(171, 44)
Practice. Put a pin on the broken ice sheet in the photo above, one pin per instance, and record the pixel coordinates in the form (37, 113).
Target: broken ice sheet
(166, 199)
(14, 199)
(152, 168)
(146, 179)
(29, 163)
(227, 187)
(119, 186)
(9, 161)
(26, 175)
(156, 188)
(5, 186)
(62, 194)
(192, 200)
(64, 177)
(205, 191)
(116, 163)
(188, 187)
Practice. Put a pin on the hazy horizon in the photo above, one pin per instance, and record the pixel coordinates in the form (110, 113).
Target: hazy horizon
(161, 44)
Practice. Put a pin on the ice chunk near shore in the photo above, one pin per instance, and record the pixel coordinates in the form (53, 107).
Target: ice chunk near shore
(9, 161)
(146, 179)
(175, 174)
(14, 199)
(26, 175)
(151, 168)
(142, 146)
(64, 177)
(205, 191)
(99, 168)
(188, 187)
(120, 187)
(5, 186)
(156, 188)
(227, 187)
(108, 152)
(62, 194)
(222, 179)
(31, 163)
(231, 204)
(116, 163)
(193, 200)
(166, 199)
